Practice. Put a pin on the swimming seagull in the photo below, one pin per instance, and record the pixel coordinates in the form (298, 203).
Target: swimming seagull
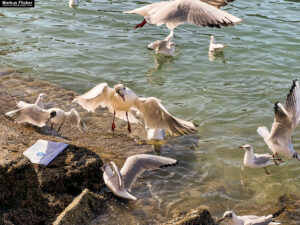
(173, 13)
(165, 47)
(120, 182)
(121, 100)
(213, 46)
(233, 219)
(256, 160)
(285, 121)
(73, 3)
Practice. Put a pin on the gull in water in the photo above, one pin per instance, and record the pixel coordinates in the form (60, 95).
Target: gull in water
(173, 13)
(285, 121)
(233, 219)
(120, 181)
(36, 114)
(120, 101)
(165, 47)
(256, 160)
(73, 3)
(213, 46)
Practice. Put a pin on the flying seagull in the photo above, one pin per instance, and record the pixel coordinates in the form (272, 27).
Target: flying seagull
(120, 182)
(213, 46)
(256, 160)
(120, 101)
(285, 121)
(233, 219)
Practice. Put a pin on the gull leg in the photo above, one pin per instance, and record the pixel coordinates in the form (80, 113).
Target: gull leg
(279, 159)
(275, 160)
(140, 25)
(60, 127)
(113, 126)
(129, 127)
(266, 171)
(51, 126)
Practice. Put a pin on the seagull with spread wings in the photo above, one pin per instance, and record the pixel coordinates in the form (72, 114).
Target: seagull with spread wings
(285, 121)
(172, 13)
(120, 181)
(121, 100)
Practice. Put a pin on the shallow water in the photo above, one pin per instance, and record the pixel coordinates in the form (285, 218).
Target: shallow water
(229, 97)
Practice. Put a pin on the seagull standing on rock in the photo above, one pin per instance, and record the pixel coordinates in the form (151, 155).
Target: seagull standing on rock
(256, 160)
(121, 100)
(120, 182)
(233, 219)
(285, 121)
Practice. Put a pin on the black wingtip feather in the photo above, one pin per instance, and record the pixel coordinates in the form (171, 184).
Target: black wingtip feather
(168, 165)
(278, 212)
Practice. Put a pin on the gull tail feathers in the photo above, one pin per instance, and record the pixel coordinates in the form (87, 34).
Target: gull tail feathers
(263, 132)
(296, 156)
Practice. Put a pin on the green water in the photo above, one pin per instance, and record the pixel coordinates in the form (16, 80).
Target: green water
(228, 97)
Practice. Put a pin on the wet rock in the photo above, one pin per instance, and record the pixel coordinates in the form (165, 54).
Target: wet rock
(197, 217)
(292, 208)
(82, 210)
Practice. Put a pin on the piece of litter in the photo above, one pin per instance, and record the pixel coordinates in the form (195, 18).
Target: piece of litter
(43, 152)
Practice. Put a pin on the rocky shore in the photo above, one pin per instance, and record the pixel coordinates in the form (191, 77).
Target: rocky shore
(70, 190)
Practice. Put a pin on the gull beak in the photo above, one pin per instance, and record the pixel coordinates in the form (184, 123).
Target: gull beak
(221, 220)
(240, 146)
(122, 95)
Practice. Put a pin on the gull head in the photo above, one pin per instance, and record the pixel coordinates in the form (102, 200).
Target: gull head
(41, 96)
(107, 170)
(52, 114)
(247, 147)
(212, 39)
(120, 89)
(228, 215)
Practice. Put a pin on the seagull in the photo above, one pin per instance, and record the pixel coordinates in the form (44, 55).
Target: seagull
(256, 160)
(173, 13)
(285, 121)
(121, 100)
(39, 102)
(120, 182)
(233, 219)
(36, 114)
(73, 3)
(165, 47)
(214, 46)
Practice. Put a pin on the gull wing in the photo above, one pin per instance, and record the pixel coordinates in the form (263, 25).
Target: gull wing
(190, 11)
(95, 97)
(22, 104)
(262, 220)
(292, 104)
(75, 120)
(30, 114)
(156, 116)
(137, 164)
(144, 10)
(262, 159)
(217, 3)
(117, 172)
(282, 127)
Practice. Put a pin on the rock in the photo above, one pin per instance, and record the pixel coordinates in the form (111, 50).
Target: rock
(82, 210)
(292, 205)
(197, 217)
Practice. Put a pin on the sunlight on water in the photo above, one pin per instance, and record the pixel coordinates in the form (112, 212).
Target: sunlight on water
(229, 95)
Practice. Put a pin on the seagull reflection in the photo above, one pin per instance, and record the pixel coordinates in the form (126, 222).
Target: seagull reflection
(219, 56)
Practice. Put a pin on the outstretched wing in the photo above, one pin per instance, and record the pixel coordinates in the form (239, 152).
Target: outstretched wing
(137, 164)
(190, 11)
(144, 10)
(30, 114)
(217, 3)
(95, 97)
(156, 116)
(292, 103)
(75, 120)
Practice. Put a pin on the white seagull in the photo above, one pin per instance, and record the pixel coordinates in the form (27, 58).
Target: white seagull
(120, 182)
(36, 114)
(285, 121)
(256, 160)
(120, 101)
(73, 3)
(165, 47)
(233, 219)
(213, 46)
